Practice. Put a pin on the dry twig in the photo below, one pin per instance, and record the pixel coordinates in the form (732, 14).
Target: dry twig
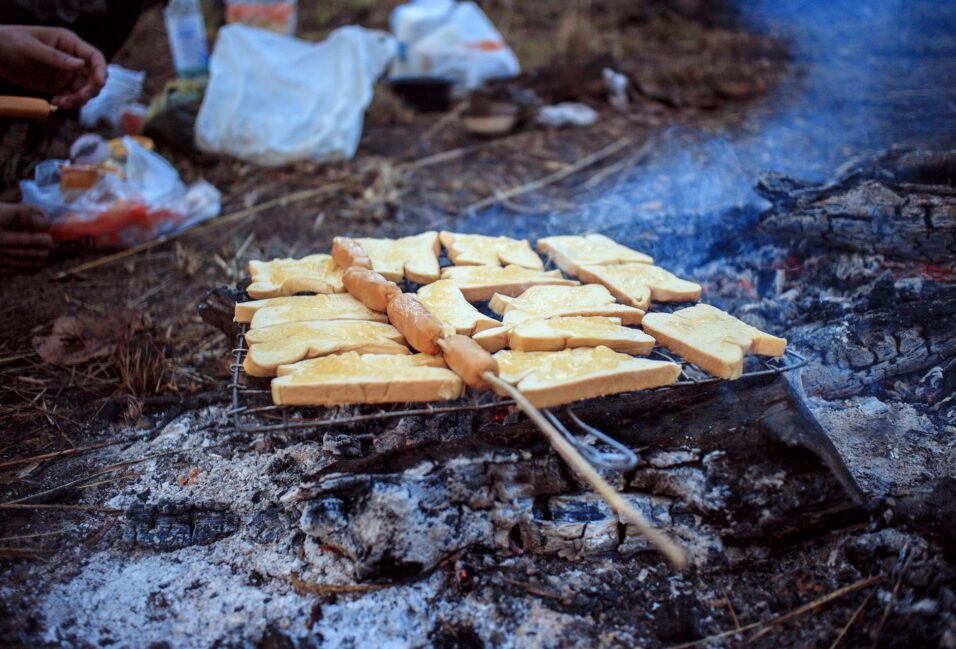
(309, 588)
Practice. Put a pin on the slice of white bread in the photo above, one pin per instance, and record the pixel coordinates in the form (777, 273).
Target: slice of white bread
(444, 300)
(554, 301)
(482, 250)
(571, 252)
(480, 283)
(712, 339)
(552, 378)
(555, 334)
(638, 284)
(414, 257)
(294, 341)
(296, 308)
(279, 277)
(365, 378)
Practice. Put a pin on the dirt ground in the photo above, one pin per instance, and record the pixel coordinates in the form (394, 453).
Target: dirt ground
(87, 434)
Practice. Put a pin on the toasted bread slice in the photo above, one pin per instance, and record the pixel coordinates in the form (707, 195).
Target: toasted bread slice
(552, 378)
(279, 277)
(481, 250)
(294, 341)
(480, 283)
(572, 252)
(414, 257)
(444, 300)
(365, 378)
(711, 338)
(555, 334)
(554, 301)
(297, 308)
(638, 284)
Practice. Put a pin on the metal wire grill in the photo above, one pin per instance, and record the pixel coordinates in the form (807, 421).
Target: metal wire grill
(253, 411)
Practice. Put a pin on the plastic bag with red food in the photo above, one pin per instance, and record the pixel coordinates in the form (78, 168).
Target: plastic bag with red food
(117, 205)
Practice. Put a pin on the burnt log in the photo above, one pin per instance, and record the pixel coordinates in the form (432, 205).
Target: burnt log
(899, 328)
(720, 465)
(170, 525)
(900, 203)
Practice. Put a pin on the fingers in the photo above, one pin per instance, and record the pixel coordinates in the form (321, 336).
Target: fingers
(46, 50)
(13, 239)
(23, 217)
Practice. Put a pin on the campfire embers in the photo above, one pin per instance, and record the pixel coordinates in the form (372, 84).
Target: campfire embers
(738, 465)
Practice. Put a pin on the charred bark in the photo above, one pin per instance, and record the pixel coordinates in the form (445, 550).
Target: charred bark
(727, 465)
(900, 203)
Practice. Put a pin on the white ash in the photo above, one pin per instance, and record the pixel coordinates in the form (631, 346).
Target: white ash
(887, 446)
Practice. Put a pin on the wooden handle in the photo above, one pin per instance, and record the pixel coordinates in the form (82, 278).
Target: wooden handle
(673, 552)
(25, 108)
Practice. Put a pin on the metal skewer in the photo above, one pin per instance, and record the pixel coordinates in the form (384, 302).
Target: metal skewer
(673, 552)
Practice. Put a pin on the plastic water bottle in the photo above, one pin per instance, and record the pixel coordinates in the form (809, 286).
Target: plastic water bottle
(187, 38)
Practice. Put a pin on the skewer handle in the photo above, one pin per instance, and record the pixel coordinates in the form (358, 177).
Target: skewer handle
(673, 552)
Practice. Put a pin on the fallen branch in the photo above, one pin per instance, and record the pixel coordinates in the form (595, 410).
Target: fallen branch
(228, 218)
(550, 179)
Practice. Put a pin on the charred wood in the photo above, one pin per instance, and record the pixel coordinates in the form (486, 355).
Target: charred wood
(732, 465)
(900, 203)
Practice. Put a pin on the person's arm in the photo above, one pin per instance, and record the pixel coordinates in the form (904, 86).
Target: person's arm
(51, 60)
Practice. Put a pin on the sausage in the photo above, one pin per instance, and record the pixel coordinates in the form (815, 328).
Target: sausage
(370, 288)
(25, 108)
(420, 328)
(347, 253)
(469, 360)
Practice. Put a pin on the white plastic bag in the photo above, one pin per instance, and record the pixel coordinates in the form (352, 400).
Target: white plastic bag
(443, 38)
(275, 99)
(122, 87)
(146, 200)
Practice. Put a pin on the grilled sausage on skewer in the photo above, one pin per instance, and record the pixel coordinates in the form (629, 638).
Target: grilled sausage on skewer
(469, 360)
(420, 328)
(347, 253)
(370, 288)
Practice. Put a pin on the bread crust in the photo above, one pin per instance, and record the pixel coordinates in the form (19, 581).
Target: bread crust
(482, 250)
(638, 284)
(480, 283)
(414, 257)
(554, 378)
(282, 277)
(712, 339)
(447, 303)
(557, 301)
(297, 308)
(288, 343)
(570, 252)
(369, 378)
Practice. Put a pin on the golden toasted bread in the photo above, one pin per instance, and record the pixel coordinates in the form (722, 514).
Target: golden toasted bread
(638, 284)
(414, 257)
(365, 378)
(279, 277)
(444, 300)
(569, 253)
(552, 378)
(479, 283)
(294, 341)
(554, 301)
(296, 308)
(554, 334)
(481, 250)
(711, 338)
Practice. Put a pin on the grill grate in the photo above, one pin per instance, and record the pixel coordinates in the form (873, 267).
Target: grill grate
(253, 411)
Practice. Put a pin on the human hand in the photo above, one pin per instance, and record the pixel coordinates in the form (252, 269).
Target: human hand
(51, 60)
(24, 242)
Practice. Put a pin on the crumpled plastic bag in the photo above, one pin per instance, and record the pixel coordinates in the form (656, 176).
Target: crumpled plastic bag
(455, 40)
(273, 99)
(122, 87)
(129, 205)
